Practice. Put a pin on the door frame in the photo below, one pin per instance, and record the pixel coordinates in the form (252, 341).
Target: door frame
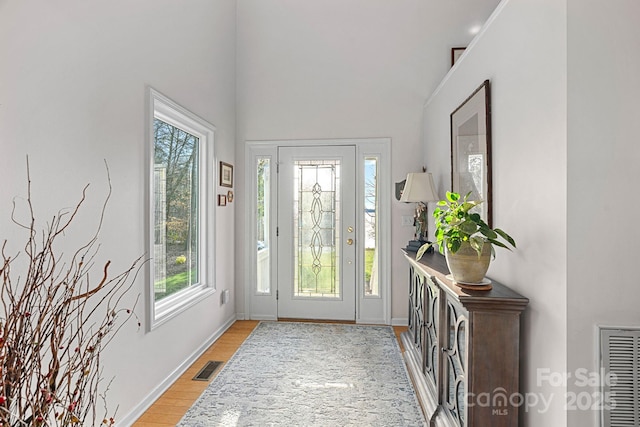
(261, 306)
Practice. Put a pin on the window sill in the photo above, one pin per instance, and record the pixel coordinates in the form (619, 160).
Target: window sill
(166, 310)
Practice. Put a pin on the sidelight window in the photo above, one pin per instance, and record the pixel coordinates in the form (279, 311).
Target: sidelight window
(371, 266)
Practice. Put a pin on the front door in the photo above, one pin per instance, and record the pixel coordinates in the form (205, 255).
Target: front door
(316, 232)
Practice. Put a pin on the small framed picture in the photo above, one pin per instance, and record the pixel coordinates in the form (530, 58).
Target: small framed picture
(456, 53)
(226, 174)
(222, 200)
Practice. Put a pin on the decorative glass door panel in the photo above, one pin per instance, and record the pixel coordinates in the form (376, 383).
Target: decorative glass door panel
(316, 202)
(316, 221)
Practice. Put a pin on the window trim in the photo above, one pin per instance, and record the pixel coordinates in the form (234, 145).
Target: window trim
(163, 108)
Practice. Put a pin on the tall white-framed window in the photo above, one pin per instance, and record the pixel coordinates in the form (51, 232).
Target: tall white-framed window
(181, 208)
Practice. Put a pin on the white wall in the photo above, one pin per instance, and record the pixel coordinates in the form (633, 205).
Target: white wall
(603, 176)
(527, 70)
(346, 69)
(72, 93)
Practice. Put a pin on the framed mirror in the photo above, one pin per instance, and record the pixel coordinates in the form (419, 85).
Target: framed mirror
(471, 149)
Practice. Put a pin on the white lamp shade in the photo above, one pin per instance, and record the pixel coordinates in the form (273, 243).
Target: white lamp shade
(419, 188)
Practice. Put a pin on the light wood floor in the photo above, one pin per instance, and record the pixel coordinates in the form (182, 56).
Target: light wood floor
(175, 402)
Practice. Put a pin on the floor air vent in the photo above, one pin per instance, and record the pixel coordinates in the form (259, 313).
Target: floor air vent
(207, 371)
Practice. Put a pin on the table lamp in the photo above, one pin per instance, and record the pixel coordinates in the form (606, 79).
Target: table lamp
(419, 189)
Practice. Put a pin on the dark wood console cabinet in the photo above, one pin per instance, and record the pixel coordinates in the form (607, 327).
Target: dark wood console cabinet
(462, 348)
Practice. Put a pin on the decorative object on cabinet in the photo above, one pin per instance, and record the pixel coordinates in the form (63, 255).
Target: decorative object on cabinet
(465, 239)
(471, 148)
(222, 200)
(419, 189)
(456, 53)
(462, 348)
(230, 196)
(226, 174)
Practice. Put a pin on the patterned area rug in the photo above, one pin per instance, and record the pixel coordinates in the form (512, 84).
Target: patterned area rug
(308, 374)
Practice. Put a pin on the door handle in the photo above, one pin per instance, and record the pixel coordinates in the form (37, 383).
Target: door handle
(349, 241)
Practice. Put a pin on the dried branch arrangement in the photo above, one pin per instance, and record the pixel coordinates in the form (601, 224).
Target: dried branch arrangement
(55, 320)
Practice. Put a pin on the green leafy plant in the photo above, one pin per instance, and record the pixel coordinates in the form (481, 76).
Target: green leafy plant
(457, 222)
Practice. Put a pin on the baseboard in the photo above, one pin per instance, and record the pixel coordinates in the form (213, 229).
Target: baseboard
(400, 321)
(146, 403)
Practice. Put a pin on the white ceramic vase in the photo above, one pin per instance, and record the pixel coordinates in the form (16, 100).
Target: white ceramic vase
(466, 266)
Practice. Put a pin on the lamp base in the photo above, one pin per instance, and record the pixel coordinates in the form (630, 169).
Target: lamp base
(414, 245)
